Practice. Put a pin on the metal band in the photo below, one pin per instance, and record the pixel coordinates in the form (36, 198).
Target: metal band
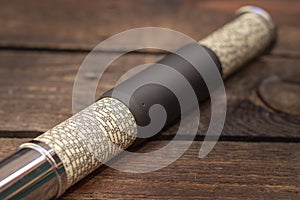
(56, 163)
(33, 170)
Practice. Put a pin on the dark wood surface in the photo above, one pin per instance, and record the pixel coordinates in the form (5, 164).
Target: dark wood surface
(233, 170)
(42, 45)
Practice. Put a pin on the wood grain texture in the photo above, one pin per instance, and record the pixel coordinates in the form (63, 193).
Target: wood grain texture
(287, 92)
(81, 25)
(42, 45)
(36, 93)
(10, 145)
(232, 169)
(36, 88)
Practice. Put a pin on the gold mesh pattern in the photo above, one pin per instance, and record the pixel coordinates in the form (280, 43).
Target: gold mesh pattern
(91, 137)
(239, 41)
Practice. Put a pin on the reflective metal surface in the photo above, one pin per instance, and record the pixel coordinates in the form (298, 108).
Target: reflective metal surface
(33, 172)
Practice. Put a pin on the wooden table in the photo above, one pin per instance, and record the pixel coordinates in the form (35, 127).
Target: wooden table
(258, 155)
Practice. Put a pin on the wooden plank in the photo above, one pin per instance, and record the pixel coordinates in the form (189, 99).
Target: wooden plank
(251, 111)
(36, 94)
(36, 88)
(81, 25)
(231, 170)
(10, 145)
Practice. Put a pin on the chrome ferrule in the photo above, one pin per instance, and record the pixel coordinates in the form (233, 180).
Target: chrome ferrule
(33, 172)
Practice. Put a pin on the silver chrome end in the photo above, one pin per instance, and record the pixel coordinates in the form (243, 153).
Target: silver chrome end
(34, 171)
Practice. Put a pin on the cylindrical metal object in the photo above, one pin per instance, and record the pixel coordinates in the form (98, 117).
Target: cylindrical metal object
(33, 170)
(62, 156)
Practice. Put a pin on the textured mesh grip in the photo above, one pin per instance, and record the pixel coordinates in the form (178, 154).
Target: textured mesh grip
(240, 40)
(91, 137)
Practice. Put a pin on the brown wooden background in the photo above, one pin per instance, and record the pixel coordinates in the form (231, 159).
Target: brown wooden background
(42, 44)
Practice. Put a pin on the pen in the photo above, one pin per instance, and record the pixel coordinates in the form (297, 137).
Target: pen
(54, 161)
